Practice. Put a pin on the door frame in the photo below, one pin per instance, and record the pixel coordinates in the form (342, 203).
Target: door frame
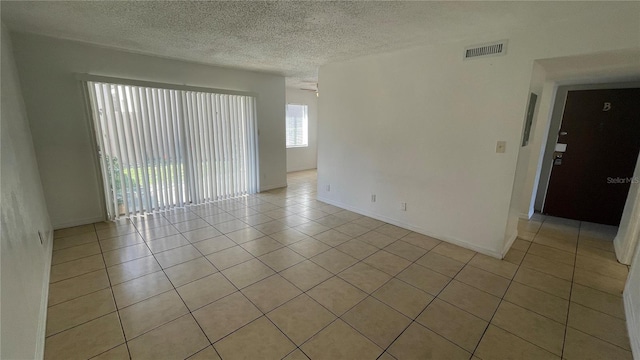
(628, 234)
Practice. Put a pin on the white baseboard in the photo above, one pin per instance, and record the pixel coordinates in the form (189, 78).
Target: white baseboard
(78, 222)
(526, 216)
(271, 187)
(44, 300)
(632, 323)
(301, 169)
(621, 256)
(459, 242)
(626, 241)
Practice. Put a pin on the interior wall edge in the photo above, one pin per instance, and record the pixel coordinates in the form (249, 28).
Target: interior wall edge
(27, 235)
(628, 235)
(632, 328)
(507, 245)
(632, 305)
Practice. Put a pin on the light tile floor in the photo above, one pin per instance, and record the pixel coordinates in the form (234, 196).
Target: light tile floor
(281, 275)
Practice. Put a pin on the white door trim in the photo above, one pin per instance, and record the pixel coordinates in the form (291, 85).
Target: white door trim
(626, 240)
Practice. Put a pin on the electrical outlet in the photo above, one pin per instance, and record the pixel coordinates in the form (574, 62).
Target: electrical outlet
(328, 187)
(373, 197)
(403, 206)
(501, 147)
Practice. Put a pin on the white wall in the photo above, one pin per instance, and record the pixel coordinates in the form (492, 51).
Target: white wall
(304, 158)
(61, 135)
(626, 240)
(25, 261)
(420, 126)
(525, 157)
(549, 122)
(632, 303)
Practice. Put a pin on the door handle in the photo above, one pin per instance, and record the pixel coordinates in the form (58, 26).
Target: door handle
(563, 133)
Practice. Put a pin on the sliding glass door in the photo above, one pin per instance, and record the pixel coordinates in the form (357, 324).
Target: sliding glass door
(161, 148)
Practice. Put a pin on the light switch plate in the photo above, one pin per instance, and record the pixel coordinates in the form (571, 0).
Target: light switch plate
(501, 147)
(561, 147)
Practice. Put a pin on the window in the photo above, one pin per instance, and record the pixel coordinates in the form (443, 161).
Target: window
(297, 126)
(162, 148)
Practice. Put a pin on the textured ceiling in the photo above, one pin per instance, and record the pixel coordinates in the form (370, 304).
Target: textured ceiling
(288, 38)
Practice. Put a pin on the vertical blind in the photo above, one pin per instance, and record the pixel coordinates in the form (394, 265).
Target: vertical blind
(163, 148)
(297, 125)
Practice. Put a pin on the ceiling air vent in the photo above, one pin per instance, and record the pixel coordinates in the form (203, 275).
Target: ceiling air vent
(492, 49)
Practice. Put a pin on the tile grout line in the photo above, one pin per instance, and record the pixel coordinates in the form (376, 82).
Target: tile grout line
(573, 274)
(502, 299)
(181, 299)
(238, 290)
(571, 301)
(489, 323)
(587, 286)
(303, 292)
(379, 249)
(339, 317)
(371, 294)
(114, 301)
(414, 320)
(287, 245)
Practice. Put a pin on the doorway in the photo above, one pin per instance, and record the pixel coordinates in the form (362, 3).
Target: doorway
(595, 155)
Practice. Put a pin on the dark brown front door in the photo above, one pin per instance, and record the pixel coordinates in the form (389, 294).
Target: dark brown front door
(591, 179)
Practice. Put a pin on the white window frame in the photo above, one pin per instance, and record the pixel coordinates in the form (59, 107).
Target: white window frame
(305, 127)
